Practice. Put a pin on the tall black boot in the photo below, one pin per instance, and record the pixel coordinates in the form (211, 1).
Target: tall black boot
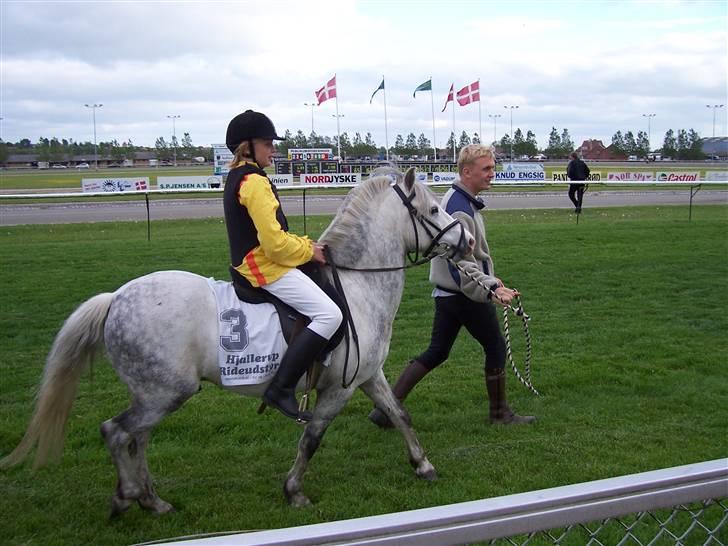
(281, 393)
(500, 413)
(411, 375)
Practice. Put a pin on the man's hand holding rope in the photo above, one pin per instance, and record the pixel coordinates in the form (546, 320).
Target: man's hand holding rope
(504, 296)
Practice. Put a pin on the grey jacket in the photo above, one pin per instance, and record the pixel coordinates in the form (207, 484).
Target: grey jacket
(464, 206)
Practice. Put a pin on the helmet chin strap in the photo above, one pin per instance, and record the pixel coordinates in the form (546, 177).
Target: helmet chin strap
(252, 151)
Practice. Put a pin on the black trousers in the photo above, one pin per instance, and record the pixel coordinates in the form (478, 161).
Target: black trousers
(576, 194)
(479, 319)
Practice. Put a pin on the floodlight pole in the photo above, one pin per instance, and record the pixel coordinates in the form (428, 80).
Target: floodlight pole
(174, 136)
(649, 139)
(96, 151)
(511, 108)
(495, 124)
(311, 104)
(714, 107)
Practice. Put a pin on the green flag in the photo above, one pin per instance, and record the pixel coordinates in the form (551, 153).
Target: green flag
(427, 86)
(381, 86)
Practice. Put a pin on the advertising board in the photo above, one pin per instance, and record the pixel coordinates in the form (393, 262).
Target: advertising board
(114, 184)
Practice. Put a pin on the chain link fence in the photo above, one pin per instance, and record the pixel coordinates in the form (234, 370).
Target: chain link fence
(704, 523)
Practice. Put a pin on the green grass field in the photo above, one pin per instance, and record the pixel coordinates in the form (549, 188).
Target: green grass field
(71, 178)
(630, 341)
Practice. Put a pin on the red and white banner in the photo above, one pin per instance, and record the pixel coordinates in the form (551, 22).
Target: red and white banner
(328, 91)
(469, 93)
(449, 96)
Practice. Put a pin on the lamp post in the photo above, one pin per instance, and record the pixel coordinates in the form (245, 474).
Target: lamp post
(96, 152)
(174, 136)
(649, 139)
(338, 133)
(714, 107)
(495, 124)
(311, 104)
(511, 108)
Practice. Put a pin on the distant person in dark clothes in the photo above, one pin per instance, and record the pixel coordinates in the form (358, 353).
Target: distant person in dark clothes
(576, 170)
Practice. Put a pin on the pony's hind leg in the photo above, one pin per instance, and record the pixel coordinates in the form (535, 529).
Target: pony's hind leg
(123, 449)
(381, 394)
(126, 437)
(149, 500)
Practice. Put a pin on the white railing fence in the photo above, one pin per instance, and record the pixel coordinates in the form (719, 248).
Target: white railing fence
(681, 505)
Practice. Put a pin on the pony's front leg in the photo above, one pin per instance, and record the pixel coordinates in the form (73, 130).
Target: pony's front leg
(329, 403)
(381, 394)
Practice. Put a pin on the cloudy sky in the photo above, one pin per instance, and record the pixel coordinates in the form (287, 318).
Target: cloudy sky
(592, 67)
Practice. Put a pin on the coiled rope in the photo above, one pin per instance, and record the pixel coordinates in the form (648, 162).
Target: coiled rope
(524, 378)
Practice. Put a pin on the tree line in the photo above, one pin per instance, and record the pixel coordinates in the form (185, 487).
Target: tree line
(683, 144)
(54, 150)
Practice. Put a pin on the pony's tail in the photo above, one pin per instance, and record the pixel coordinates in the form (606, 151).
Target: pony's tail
(72, 353)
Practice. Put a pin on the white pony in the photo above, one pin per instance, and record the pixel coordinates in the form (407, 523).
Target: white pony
(160, 332)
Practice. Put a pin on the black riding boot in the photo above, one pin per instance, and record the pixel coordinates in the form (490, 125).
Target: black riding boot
(500, 413)
(281, 393)
(411, 375)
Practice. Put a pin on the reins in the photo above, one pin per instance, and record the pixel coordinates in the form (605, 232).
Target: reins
(525, 379)
(350, 327)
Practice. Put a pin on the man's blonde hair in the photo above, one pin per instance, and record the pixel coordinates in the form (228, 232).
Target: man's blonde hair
(472, 152)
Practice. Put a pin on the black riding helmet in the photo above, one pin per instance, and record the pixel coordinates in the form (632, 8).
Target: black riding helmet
(247, 126)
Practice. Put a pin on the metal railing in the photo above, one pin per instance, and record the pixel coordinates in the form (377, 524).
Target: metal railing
(681, 505)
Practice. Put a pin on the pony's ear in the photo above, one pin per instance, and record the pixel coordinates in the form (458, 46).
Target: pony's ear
(409, 178)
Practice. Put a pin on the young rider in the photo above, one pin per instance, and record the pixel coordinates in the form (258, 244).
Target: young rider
(264, 254)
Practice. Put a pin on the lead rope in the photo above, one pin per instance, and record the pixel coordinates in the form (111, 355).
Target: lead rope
(525, 379)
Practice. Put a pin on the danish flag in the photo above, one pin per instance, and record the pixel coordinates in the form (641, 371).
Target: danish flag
(449, 96)
(140, 185)
(328, 91)
(469, 93)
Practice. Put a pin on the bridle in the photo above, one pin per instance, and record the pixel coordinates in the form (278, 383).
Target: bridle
(426, 224)
(429, 226)
(433, 231)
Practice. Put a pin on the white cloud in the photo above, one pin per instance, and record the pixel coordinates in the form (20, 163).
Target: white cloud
(592, 68)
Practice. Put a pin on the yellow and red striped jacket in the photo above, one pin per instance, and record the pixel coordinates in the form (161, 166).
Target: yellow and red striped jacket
(261, 248)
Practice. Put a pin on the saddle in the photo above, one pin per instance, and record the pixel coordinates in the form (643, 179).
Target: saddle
(291, 320)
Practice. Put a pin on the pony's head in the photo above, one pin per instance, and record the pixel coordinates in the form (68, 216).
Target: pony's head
(389, 207)
(435, 232)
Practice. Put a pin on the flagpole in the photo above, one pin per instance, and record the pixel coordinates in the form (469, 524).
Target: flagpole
(454, 159)
(434, 136)
(480, 117)
(338, 129)
(386, 137)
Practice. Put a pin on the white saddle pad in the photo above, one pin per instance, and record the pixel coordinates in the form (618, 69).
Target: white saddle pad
(250, 340)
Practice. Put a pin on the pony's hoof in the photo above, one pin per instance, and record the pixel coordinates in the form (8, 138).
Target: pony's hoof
(156, 505)
(427, 473)
(119, 506)
(299, 500)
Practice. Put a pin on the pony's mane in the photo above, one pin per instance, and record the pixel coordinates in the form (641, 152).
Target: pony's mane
(356, 206)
